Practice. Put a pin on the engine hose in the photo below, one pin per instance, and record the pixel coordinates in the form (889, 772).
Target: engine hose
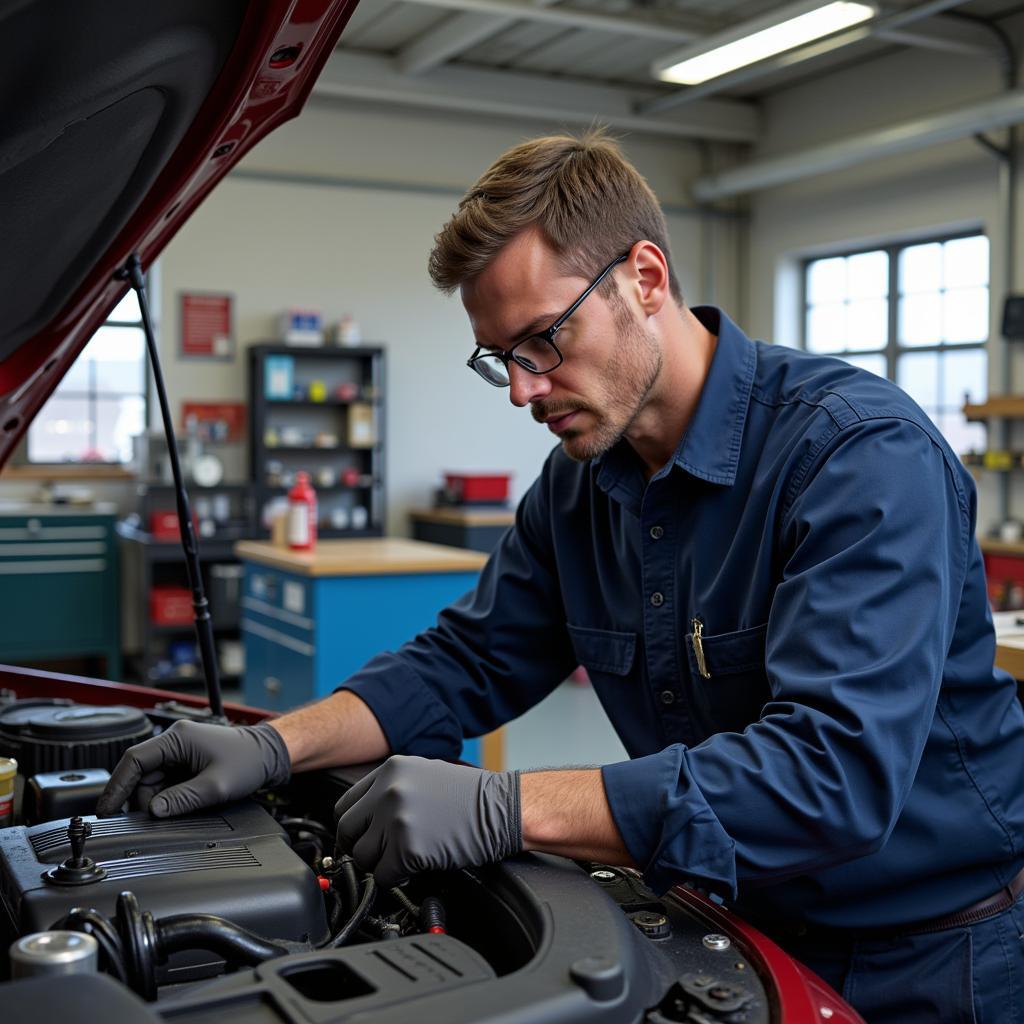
(348, 874)
(237, 945)
(432, 915)
(364, 908)
(403, 900)
(101, 928)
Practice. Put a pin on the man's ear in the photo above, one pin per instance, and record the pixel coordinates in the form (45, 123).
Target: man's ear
(648, 270)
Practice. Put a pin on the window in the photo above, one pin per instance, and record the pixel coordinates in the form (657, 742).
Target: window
(101, 402)
(917, 314)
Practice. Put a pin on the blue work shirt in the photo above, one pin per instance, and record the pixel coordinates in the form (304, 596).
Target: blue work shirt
(788, 627)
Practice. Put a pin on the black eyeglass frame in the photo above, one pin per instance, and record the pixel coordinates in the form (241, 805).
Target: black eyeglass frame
(547, 335)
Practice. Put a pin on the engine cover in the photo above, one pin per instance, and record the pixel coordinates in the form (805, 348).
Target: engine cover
(235, 863)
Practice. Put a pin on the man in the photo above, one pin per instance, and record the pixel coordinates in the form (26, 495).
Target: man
(765, 560)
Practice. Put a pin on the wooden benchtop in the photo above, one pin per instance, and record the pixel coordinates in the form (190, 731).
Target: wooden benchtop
(465, 517)
(386, 556)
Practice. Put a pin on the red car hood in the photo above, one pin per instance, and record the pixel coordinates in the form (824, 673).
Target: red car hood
(116, 120)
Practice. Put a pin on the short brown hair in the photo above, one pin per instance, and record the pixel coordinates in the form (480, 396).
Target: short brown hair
(589, 201)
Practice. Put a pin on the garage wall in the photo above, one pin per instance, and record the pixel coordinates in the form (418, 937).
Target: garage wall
(347, 245)
(953, 186)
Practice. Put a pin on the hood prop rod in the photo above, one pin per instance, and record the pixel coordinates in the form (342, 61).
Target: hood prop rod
(132, 272)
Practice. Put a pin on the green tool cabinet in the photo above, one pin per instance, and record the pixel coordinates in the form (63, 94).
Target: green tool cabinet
(60, 573)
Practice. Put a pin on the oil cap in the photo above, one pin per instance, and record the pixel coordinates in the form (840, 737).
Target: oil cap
(653, 924)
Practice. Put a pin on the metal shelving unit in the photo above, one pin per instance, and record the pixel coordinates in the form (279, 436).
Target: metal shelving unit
(294, 400)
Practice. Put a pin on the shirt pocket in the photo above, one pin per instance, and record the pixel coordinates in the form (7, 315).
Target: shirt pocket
(736, 688)
(603, 651)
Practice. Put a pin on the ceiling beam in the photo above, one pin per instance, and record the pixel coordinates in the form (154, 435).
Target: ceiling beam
(997, 112)
(355, 75)
(670, 32)
(454, 35)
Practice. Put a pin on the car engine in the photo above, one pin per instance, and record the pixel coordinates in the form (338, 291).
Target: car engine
(248, 912)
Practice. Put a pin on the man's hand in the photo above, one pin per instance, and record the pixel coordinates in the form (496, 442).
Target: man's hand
(412, 814)
(211, 764)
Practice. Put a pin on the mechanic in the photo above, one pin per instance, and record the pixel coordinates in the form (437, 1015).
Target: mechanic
(766, 561)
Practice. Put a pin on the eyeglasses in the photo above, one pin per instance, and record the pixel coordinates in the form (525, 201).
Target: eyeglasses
(536, 353)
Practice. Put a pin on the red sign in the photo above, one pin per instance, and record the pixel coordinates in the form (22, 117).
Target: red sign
(215, 421)
(205, 326)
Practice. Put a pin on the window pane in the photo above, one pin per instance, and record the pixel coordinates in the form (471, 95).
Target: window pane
(920, 319)
(61, 431)
(961, 435)
(826, 328)
(866, 324)
(965, 314)
(918, 375)
(867, 275)
(965, 262)
(117, 419)
(964, 373)
(826, 280)
(118, 355)
(127, 309)
(921, 268)
(873, 363)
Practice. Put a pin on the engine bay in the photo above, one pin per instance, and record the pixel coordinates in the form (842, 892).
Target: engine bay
(248, 912)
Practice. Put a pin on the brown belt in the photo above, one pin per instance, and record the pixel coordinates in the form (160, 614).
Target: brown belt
(981, 910)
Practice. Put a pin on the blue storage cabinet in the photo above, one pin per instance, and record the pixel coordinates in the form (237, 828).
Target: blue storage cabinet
(311, 619)
(61, 570)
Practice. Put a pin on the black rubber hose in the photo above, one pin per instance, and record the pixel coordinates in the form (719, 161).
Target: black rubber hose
(348, 875)
(432, 915)
(364, 908)
(205, 931)
(306, 825)
(101, 928)
(403, 900)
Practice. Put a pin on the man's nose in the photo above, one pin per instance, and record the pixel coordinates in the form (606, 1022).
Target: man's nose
(524, 387)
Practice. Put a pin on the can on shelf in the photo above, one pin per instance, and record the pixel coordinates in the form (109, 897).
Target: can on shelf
(8, 770)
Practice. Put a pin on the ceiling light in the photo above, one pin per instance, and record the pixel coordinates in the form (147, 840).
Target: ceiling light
(790, 26)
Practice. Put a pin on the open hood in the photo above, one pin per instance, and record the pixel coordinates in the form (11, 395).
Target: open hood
(116, 120)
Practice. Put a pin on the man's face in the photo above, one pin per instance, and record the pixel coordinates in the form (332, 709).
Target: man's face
(611, 360)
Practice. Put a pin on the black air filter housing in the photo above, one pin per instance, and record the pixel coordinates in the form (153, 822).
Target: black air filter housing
(49, 736)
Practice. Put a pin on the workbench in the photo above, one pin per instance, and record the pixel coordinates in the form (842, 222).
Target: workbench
(1010, 642)
(477, 528)
(309, 619)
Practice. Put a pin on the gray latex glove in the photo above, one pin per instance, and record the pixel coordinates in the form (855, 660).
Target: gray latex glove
(412, 814)
(194, 765)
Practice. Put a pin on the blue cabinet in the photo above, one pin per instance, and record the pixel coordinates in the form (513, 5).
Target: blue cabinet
(61, 575)
(309, 620)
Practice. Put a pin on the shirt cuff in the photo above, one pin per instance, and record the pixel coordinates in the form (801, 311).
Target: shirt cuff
(667, 825)
(413, 719)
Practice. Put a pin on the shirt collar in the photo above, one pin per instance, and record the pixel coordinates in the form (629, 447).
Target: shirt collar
(710, 448)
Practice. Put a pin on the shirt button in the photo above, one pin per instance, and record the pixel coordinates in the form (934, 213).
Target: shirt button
(667, 697)
(657, 599)
(657, 533)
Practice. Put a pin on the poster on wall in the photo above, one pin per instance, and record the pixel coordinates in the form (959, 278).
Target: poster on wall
(214, 421)
(206, 326)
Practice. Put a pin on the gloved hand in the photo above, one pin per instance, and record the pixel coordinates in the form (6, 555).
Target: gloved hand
(211, 764)
(413, 814)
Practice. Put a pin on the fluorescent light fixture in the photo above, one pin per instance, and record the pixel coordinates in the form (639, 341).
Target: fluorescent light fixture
(790, 26)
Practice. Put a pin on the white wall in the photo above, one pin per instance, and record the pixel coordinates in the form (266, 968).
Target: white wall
(364, 250)
(952, 186)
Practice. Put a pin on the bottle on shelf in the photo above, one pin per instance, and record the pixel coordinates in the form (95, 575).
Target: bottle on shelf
(302, 514)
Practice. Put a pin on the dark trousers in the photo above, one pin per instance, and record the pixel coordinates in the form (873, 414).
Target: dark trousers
(971, 975)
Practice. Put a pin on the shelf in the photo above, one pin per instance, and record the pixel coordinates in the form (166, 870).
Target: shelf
(161, 629)
(318, 449)
(1009, 406)
(331, 489)
(327, 401)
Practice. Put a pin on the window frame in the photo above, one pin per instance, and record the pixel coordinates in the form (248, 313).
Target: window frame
(893, 349)
(92, 396)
